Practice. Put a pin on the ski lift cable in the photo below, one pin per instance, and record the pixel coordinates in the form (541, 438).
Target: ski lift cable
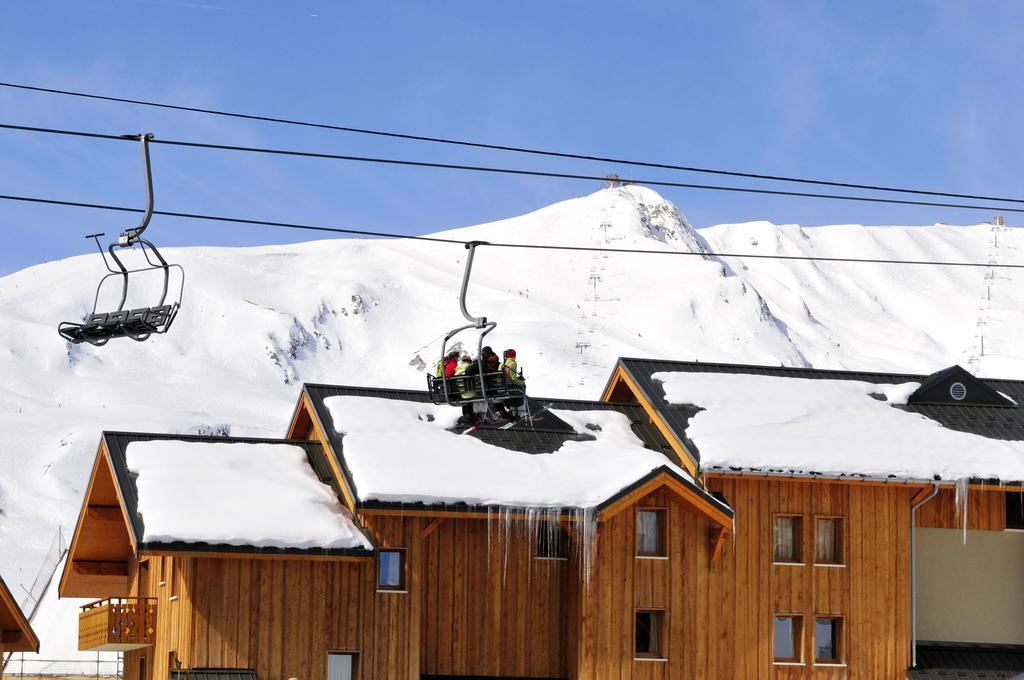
(507, 147)
(517, 172)
(494, 244)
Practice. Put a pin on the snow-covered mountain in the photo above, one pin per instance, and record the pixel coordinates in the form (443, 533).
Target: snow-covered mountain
(257, 322)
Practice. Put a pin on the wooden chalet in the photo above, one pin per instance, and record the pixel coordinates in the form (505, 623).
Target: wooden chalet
(16, 635)
(620, 539)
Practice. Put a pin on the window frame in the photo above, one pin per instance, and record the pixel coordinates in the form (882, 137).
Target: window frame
(662, 514)
(402, 586)
(661, 616)
(563, 543)
(798, 543)
(798, 640)
(840, 523)
(838, 641)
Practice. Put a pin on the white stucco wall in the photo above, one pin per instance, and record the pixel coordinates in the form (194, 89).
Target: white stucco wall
(973, 592)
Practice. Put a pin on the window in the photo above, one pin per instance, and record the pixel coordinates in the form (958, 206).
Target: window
(391, 570)
(650, 533)
(787, 634)
(828, 540)
(1015, 509)
(552, 541)
(648, 635)
(788, 539)
(827, 639)
(341, 666)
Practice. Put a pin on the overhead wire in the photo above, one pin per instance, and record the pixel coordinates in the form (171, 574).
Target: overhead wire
(494, 244)
(513, 171)
(507, 147)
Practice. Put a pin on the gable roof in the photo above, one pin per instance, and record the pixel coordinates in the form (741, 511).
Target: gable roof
(988, 409)
(547, 435)
(16, 635)
(116, 445)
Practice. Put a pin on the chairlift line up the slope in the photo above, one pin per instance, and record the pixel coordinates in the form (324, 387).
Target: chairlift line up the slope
(139, 324)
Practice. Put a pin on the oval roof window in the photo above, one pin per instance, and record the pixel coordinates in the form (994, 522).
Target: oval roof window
(958, 391)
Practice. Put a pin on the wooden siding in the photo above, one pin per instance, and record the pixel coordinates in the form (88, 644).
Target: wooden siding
(469, 611)
(719, 620)
(281, 617)
(986, 510)
(489, 608)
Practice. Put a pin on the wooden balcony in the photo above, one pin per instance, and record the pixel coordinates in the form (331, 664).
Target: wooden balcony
(117, 624)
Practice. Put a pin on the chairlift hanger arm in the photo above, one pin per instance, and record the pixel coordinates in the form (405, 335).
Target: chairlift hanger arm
(131, 236)
(477, 321)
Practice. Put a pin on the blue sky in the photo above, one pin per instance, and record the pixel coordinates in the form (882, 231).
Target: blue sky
(924, 94)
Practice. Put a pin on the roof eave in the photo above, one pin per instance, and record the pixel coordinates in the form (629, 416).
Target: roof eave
(853, 477)
(252, 551)
(25, 628)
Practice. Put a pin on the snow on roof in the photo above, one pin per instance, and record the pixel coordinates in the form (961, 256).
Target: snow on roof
(251, 494)
(835, 427)
(400, 451)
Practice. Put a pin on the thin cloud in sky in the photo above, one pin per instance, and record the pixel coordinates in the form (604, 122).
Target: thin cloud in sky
(184, 4)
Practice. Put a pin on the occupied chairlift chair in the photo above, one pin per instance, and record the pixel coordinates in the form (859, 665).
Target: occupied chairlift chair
(99, 328)
(485, 388)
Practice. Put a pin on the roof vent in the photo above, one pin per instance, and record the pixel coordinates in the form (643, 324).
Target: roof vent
(958, 391)
(954, 385)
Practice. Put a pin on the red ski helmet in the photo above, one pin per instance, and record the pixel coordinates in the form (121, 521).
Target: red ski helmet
(510, 353)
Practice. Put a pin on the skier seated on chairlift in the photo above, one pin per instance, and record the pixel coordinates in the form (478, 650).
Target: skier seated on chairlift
(446, 366)
(514, 376)
(509, 367)
(467, 366)
(490, 360)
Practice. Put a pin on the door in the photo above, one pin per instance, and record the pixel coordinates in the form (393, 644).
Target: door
(340, 666)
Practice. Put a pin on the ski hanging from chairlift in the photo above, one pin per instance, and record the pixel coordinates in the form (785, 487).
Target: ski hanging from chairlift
(480, 388)
(98, 328)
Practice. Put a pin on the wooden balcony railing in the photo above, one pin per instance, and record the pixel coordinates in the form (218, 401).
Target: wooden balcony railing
(117, 624)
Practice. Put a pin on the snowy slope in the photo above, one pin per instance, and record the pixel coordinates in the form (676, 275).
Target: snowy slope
(260, 321)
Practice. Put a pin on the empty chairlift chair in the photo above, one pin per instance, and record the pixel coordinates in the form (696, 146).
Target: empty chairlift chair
(99, 327)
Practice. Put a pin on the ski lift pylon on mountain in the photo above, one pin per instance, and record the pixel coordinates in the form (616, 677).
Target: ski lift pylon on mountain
(481, 387)
(99, 328)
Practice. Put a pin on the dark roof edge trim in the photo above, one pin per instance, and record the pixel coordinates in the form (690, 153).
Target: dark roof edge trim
(911, 377)
(462, 508)
(333, 386)
(250, 550)
(202, 438)
(777, 368)
(331, 435)
(665, 470)
(457, 508)
(653, 402)
(896, 481)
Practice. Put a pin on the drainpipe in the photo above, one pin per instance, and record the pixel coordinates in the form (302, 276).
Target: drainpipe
(913, 572)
